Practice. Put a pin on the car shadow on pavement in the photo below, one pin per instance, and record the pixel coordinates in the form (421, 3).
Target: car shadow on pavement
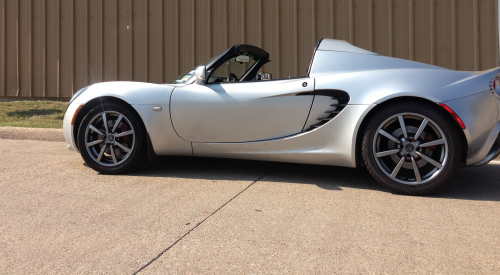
(469, 183)
(326, 177)
(473, 183)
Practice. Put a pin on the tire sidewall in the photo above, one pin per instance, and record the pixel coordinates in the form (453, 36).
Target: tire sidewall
(139, 141)
(438, 117)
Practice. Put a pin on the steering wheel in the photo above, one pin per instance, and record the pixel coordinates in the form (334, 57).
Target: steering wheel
(232, 78)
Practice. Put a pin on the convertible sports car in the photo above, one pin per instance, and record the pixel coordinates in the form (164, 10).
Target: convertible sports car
(410, 124)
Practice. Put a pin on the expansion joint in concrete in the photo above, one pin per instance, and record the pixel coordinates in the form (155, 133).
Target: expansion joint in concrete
(200, 223)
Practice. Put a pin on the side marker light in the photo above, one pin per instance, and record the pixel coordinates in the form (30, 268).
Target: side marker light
(76, 113)
(457, 118)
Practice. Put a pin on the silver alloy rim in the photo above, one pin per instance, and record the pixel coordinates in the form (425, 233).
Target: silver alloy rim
(109, 138)
(410, 148)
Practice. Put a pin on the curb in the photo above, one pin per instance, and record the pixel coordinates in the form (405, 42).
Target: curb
(31, 134)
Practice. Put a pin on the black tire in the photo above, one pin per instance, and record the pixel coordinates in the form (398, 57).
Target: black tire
(121, 161)
(439, 127)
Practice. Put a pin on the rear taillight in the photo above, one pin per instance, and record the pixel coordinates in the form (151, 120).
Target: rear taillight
(495, 85)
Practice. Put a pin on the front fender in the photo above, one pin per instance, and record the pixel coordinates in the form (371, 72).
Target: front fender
(142, 97)
(134, 93)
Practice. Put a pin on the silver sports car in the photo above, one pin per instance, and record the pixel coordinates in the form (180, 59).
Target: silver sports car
(410, 124)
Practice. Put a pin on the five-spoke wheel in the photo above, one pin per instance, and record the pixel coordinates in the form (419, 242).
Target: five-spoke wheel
(111, 139)
(411, 147)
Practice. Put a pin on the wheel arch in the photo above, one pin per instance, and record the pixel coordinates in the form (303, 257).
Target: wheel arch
(359, 135)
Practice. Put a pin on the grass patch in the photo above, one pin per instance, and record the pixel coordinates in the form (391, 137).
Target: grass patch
(34, 114)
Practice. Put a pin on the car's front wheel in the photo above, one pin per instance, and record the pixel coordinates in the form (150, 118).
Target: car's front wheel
(112, 139)
(411, 147)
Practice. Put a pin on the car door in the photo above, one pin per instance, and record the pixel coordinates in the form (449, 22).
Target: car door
(241, 111)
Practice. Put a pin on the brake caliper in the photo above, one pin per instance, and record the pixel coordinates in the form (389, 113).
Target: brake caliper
(126, 139)
(429, 138)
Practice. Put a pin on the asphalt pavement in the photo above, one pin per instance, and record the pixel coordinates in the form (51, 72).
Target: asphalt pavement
(199, 215)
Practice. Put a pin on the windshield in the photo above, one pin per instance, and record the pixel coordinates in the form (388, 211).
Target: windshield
(231, 66)
(185, 77)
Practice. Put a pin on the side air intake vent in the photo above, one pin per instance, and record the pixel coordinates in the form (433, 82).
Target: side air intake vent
(337, 101)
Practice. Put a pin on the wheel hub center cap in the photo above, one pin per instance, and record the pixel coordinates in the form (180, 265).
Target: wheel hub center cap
(111, 138)
(409, 148)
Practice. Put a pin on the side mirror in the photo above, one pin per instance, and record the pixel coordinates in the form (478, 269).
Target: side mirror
(243, 59)
(266, 76)
(200, 75)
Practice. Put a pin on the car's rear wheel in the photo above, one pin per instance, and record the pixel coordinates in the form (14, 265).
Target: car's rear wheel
(411, 147)
(112, 139)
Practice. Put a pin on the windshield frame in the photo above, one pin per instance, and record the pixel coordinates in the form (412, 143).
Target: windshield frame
(187, 76)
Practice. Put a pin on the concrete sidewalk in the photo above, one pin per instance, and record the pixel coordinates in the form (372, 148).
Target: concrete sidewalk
(197, 215)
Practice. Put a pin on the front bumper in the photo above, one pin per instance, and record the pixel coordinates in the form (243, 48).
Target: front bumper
(68, 128)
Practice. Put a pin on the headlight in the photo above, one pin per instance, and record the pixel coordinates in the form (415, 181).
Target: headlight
(78, 94)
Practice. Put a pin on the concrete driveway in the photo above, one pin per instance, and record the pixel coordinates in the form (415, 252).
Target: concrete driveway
(190, 215)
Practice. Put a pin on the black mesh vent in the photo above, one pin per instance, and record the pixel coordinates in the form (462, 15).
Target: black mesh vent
(335, 108)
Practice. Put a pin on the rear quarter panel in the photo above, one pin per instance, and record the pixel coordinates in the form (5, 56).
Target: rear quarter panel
(375, 79)
(372, 79)
(374, 87)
